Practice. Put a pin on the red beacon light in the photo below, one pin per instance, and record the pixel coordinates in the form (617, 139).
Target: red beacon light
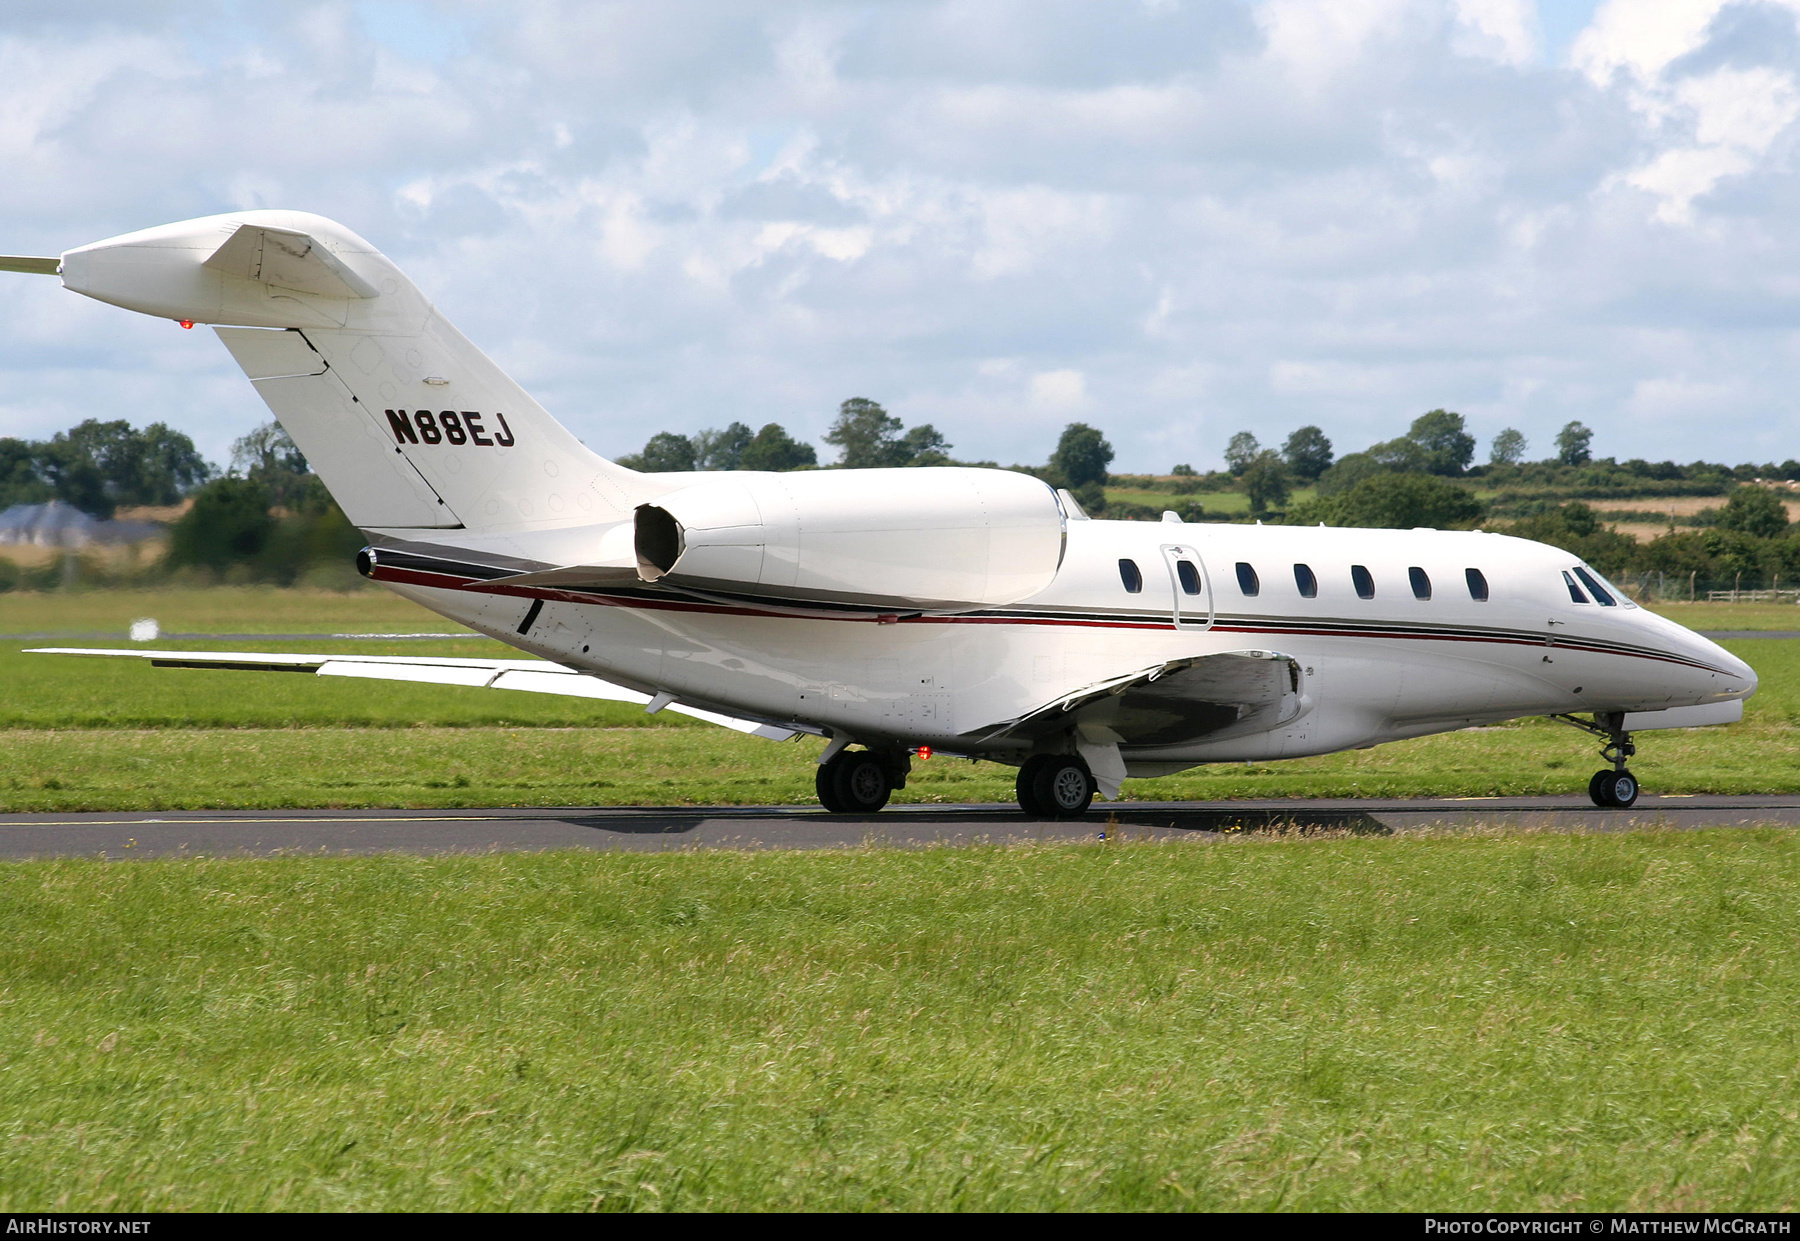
(924, 751)
(187, 324)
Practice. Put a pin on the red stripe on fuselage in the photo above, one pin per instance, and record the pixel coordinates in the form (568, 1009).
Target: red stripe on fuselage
(449, 581)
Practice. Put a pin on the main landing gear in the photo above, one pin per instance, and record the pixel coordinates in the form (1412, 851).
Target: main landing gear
(1614, 788)
(860, 781)
(1055, 786)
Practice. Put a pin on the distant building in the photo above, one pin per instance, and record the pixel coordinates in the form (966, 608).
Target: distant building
(56, 524)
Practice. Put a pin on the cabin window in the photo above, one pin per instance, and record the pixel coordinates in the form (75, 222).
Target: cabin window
(1306, 582)
(1600, 593)
(1363, 581)
(1133, 579)
(1478, 590)
(1421, 582)
(1247, 579)
(1575, 595)
(1189, 575)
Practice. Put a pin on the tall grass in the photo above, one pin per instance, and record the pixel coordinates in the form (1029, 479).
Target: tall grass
(1526, 1022)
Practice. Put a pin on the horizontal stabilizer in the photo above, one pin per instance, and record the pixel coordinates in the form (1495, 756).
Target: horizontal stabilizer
(287, 259)
(532, 675)
(30, 264)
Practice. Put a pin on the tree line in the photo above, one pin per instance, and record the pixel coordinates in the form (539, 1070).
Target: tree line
(100, 467)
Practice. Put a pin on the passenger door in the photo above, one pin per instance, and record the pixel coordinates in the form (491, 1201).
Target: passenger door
(1190, 587)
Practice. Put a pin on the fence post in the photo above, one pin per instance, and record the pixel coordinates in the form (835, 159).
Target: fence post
(1735, 583)
(1691, 577)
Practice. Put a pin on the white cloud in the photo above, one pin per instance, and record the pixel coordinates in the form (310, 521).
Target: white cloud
(1059, 392)
(1641, 36)
(1170, 220)
(1502, 30)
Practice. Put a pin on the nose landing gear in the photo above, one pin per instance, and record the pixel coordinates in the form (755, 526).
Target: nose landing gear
(1614, 788)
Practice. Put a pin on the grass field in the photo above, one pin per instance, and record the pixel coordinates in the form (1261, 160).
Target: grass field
(1531, 1022)
(115, 734)
(1473, 1022)
(1228, 502)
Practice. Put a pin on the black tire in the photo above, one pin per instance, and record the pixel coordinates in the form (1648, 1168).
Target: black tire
(862, 784)
(825, 784)
(1025, 787)
(1618, 789)
(1064, 787)
(1596, 794)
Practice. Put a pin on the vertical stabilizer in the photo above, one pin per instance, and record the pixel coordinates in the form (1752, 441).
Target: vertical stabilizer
(409, 425)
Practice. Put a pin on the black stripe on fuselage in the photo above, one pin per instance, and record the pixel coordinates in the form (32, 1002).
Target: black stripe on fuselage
(482, 579)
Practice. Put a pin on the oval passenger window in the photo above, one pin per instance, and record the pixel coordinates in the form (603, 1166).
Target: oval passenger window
(1421, 582)
(1189, 575)
(1128, 573)
(1247, 579)
(1304, 579)
(1364, 583)
(1478, 590)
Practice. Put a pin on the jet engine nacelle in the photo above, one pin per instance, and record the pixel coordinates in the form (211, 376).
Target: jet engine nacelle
(916, 539)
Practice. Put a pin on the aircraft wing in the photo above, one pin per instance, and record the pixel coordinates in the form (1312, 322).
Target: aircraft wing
(532, 675)
(1203, 697)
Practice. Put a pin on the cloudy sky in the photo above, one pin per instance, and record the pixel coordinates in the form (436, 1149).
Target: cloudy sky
(1173, 219)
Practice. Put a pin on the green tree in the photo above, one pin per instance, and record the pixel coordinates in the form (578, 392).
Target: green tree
(1183, 471)
(774, 449)
(1394, 502)
(98, 466)
(268, 455)
(1240, 452)
(872, 438)
(721, 450)
(1508, 448)
(666, 453)
(1576, 528)
(1755, 511)
(867, 435)
(1265, 479)
(1307, 453)
(1574, 444)
(228, 524)
(1082, 456)
(1445, 441)
(924, 445)
(21, 478)
(1350, 470)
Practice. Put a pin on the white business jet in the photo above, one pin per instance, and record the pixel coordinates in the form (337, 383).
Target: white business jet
(894, 612)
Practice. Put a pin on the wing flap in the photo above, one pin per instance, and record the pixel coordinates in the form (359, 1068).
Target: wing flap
(1203, 697)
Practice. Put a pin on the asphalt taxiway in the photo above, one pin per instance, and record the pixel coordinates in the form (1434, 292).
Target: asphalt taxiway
(656, 829)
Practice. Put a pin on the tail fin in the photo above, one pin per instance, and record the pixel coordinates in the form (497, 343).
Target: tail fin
(409, 424)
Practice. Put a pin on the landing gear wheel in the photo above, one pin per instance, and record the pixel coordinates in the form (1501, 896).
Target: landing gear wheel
(825, 784)
(854, 783)
(1064, 787)
(1026, 786)
(1614, 790)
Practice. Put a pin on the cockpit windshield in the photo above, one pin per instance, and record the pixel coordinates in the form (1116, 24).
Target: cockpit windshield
(1605, 593)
